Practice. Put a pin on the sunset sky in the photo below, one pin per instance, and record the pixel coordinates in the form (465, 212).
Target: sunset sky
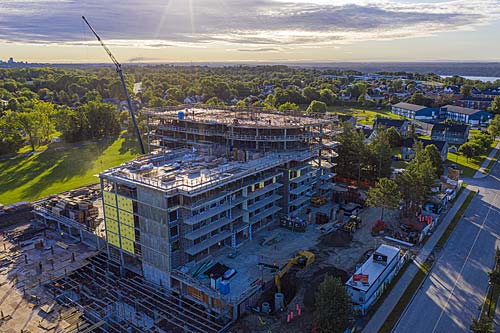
(246, 30)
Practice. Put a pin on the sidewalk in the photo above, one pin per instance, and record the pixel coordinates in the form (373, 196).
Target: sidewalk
(482, 170)
(392, 299)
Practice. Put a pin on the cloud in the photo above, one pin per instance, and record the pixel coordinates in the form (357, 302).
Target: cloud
(261, 49)
(262, 24)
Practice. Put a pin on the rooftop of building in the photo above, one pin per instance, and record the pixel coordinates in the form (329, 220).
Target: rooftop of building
(459, 109)
(373, 268)
(409, 106)
(241, 118)
(190, 171)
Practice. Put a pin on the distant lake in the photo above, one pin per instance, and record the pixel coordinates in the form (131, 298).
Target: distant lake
(480, 78)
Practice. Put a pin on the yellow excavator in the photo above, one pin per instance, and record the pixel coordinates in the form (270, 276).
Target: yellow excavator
(301, 261)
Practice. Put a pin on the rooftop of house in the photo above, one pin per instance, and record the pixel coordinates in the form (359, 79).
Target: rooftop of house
(409, 142)
(241, 118)
(373, 268)
(409, 106)
(389, 122)
(191, 172)
(452, 128)
(476, 99)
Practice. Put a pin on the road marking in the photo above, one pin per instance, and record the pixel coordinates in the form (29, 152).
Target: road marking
(465, 262)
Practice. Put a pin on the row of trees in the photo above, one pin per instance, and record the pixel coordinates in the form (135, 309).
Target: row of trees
(36, 122)
(360, 160)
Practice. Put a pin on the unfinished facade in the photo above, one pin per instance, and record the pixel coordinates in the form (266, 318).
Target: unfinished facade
(213, 180)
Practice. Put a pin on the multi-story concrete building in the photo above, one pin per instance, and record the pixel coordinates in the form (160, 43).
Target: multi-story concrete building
(216, 178)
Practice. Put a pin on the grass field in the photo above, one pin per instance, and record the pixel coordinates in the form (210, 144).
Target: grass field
(54, 171)
(468, 166)
(363, 116)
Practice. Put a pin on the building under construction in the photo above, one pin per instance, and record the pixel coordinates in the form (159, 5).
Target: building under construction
(215, 180)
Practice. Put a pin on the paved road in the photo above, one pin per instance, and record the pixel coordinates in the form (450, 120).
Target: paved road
(399, 288)
(455, 289)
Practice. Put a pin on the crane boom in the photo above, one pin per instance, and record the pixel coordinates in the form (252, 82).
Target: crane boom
(122, 79)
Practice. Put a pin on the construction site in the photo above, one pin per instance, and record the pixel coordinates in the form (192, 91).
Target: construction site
(229, 224)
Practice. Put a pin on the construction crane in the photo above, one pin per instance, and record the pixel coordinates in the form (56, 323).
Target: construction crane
(122, 79)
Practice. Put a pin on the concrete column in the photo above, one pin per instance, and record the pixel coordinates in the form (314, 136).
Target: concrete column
(284, 142)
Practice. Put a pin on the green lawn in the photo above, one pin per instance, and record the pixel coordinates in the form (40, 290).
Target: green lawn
(492, 161)
(468, 166)
(364, 116)
(49, 172)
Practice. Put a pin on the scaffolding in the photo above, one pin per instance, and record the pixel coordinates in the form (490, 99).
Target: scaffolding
(111, 303)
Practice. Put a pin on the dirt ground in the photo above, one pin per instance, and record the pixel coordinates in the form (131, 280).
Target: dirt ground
(337, 254)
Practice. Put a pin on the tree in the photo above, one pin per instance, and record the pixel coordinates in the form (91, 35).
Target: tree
(466, 90)
(327, 96)
(10, 137)
(287, 107)
(214, 101)
(241, 104)
(334, 312)
(435, 157)
(353, 153)
(494, 127)
(484, 141)
(175, 94)
(358, 89)
(380, 153)
(28, 122)
(316, 107)
(395, 138)
(416, 181)
(411, 132)
(270, 100)
(420, 99)
(36, 121)
(495, 105)
(384, 194)
(483, 325)
(310, 94)
(469, 149)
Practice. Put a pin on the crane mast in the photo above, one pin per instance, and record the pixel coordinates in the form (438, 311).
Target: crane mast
(122, 79)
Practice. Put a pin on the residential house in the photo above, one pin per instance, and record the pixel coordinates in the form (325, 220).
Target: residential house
(408, 151)
(465, 115)
(490, 93)
(401, 125)
(451, 133)
(414, 111)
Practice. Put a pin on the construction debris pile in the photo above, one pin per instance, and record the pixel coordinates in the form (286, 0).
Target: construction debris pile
(77, 205)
